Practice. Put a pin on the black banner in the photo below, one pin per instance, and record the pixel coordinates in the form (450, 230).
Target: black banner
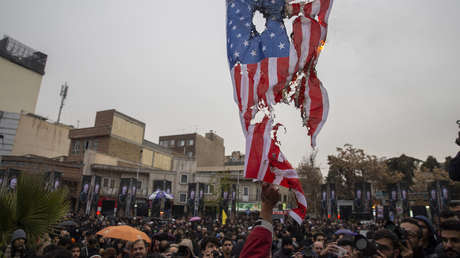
(123, 191)
(84, 193)
(333, 199)
(2, 177)
(96, 190)
(405, 199)
(13, 177)
(191, 197)
(324, 200)
(359, 203)
(56, 180)
(368, 198)
(444, 194)
(433, 193)
(201, 191)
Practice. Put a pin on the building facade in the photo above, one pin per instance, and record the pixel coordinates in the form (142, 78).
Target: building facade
(114, 152)
(207, 150)
(21, 73)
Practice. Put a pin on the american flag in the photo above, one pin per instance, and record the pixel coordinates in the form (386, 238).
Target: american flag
(264, 68)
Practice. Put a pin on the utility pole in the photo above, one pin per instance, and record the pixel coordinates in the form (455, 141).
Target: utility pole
(63, 94)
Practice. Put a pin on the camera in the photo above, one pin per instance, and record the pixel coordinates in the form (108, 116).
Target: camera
(367, 247)
(398, 231)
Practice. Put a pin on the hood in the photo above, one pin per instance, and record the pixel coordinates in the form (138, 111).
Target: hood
(17, 234)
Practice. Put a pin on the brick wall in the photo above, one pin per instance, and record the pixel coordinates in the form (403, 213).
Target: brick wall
(124, 150)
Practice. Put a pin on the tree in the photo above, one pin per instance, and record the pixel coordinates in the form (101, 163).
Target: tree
(353, 165)
(405, 165)
(32, 208)
(431, 163)
(311, 180)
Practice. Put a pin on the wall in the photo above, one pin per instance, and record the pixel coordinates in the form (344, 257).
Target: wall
(19, 87)
(39, 137)
(209, 153)
(8, 125)
(124, 150)
(162, 161)
(128, 130)
(147, 157)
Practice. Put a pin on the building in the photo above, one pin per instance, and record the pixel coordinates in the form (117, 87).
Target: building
(207, 150)
(26, 133)
(21, 73)
(114, 152)
(69, 172)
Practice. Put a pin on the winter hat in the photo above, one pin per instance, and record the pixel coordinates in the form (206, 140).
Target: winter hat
(17, 234)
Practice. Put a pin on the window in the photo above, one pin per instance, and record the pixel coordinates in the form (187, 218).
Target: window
(164, 143)
(112, 183)
(209, 189)
(139, 184)
(172, 142)
(94, 147)
(106, 182)
(190, 142)
(76, 147)
(182, 197)
(284, 198)
(190, 154)
(183, 179)
(181, 143)
(245, 191)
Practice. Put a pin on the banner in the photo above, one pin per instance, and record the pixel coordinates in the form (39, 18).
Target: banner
(405, 199)
(444, 194)
(13, 176)
(433, 196)
(96, 190)
(201, 191)
(359, 204)
(368, 198)
(191, 198)
(324, 200)
(123, 191)
(56, 180)
(84, 193)
(333, 200)
(2, 177)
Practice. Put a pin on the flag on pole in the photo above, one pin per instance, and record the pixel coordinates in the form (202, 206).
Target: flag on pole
(224, 217)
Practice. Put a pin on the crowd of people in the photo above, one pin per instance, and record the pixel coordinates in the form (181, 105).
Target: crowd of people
(253, 235)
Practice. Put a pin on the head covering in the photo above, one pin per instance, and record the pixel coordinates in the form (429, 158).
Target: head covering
(17, 234)
(187, 243)
(433, 237)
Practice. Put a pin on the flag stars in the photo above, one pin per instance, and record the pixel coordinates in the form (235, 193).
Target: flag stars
(246, 43)
(264, 48)
(234, 27)
(236, 54)
(230, 23)
(247, 24)
(241, 18)
(272, 35)
(253, 53)
(239, 35)
(238, 11)
(281, 45)
(232, 5)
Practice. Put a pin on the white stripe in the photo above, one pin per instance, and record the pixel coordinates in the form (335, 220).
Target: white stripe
(295, 216)
(300, 198)
(305, 46)
(315, 8)
(307, 105)
(328, 12)
(249, 136)
(244, 94)
(266, 148)
(292, 62)
(325, 113)
(277, 180)
(235, 93)
(272, 79)
(256, 85)
(286, 173)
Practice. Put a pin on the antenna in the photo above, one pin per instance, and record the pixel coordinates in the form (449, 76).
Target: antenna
(63, 94)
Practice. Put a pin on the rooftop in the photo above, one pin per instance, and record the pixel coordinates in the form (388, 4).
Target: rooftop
(22, 55)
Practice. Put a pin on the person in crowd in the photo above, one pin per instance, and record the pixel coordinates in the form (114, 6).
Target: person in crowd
(185, 249)
(387, 244)
(317, 248)
(17, 248)
(446, 215)
(429, 237)
(139, 249)
(413, 246)
(227, 248)
(75, 249)
(450, 237)
(209, 247)
(286, 250)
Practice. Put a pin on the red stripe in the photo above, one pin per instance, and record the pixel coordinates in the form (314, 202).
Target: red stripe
(307, 9)
(315, 41)
(316, 106)
(298, 39)
(325, 4)
(237, 78)
(295, 9)
(282, 68)
(262, 88)
(256, 151)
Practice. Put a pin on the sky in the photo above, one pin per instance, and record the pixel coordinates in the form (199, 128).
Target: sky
(390, 68)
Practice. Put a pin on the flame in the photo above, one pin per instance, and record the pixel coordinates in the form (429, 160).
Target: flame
(321, 47)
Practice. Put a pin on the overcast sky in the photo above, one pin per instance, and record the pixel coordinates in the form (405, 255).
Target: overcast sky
(391, 69)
